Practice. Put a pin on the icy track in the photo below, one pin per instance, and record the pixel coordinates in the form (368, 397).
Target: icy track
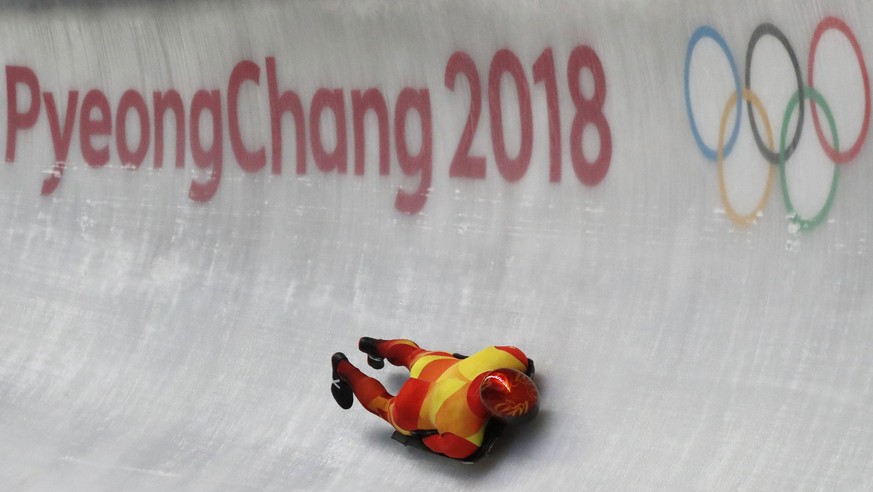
(201, 202)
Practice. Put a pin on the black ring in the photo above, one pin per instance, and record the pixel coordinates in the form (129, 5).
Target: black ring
(761, 30)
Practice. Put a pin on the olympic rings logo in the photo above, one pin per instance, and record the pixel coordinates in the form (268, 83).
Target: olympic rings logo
(786, 146)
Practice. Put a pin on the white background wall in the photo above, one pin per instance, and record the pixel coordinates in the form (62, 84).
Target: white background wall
(153, 343)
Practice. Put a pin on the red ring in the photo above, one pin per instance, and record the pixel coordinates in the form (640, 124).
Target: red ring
(851, 153)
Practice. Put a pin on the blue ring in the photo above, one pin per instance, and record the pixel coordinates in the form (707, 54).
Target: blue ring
(709, 32)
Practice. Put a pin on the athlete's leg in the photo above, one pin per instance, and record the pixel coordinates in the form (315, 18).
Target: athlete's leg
(369, 392)
(399, 352)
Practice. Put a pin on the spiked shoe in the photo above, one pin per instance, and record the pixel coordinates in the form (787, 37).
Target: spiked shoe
(367, 345)
(340, 389)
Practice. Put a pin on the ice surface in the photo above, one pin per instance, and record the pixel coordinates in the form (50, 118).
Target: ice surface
(152, 342)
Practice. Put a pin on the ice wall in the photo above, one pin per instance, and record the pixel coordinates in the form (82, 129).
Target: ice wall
(203, 201)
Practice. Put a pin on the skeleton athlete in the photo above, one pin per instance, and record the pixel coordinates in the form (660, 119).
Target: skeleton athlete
(451, 404)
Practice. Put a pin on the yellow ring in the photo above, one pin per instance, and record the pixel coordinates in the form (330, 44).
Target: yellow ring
(733, 215)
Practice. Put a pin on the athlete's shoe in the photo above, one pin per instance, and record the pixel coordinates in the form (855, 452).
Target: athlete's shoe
(340, 389)
(367, 345)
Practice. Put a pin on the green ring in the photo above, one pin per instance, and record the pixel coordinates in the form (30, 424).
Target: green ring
(817, 98)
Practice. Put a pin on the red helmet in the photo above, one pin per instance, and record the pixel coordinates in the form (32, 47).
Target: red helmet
(510, 396)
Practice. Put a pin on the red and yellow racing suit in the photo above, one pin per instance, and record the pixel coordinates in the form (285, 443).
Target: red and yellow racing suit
(441, 395)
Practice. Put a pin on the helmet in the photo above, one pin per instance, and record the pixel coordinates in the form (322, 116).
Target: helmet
(509, 395)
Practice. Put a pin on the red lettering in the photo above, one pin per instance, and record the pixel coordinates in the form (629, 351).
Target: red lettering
(506, 62)
(588, 111)
(279, 104)
(132, 100)
(169, 100)
(206, 158)
(243, 71)
(18, 120)
(336, 159)
(422, 164)
(463, 164)
(371, 100)
(544, 71)
(61, 137)
(90, 127)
